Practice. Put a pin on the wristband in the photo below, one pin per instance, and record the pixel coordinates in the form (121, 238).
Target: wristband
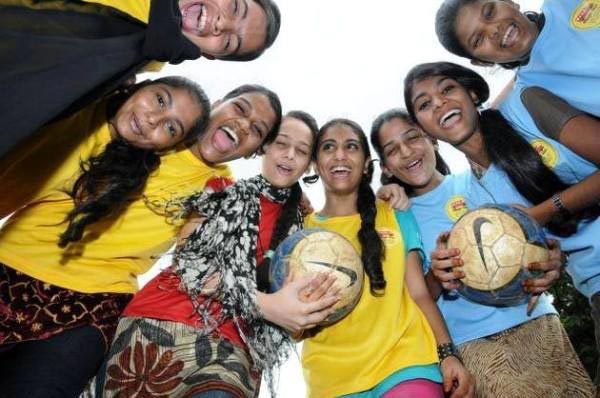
(447, 350)
(559, 205)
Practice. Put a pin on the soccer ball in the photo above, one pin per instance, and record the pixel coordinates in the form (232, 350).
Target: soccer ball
(318, 250)
(496, 243)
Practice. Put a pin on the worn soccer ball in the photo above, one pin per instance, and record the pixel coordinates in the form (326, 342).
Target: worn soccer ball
(318, 250)
(496, 243)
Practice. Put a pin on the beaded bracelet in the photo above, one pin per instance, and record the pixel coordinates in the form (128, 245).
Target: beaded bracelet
(447, 350)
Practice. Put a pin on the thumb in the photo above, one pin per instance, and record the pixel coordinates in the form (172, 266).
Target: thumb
(448, 382)
(302, 282)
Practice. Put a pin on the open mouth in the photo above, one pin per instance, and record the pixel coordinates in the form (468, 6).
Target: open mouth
(226, 139)
(510, 36)
(415, 166)
(195, 18)
(340, 171)
(284, 170)
(450, 118)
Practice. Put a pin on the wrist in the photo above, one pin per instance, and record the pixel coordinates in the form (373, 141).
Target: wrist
(446, 350)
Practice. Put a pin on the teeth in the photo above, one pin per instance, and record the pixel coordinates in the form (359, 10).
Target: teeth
(507, 35)
(231, 134)
(202, 18)
(448, 115)
(413, 164)
(338, 169)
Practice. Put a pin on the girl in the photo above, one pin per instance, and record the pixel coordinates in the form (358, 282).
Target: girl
(62, 305)
(208, 301)
(443, 98)
(556, 49)
(486, 336)
(85, 49)
(387, 342)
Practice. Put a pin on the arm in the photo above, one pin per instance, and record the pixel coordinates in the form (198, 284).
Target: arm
(457, 379)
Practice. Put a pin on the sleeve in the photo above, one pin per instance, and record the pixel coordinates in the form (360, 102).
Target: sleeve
(549, 112)
(411, 235)
(217, 183)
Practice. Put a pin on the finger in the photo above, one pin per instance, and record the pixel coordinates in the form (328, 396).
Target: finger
(550, 265)
(442, 240)
(324, 303)
(325, 282)
(553, 244)
(462, 388)
(318, 316)
(540, 285)
(532, 303)
(448, 382)
(443, 254)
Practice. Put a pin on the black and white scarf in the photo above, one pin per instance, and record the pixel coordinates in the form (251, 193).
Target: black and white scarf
(218, 263)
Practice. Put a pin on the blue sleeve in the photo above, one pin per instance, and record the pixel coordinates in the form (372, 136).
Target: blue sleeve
(411, 235)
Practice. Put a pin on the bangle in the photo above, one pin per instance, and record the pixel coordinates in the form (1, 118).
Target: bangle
(560, 206)
(447, 350)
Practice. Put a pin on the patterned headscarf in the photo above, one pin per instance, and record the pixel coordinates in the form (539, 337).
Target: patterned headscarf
(217, 263)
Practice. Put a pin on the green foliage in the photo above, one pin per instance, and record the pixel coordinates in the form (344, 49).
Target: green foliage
(574, 310)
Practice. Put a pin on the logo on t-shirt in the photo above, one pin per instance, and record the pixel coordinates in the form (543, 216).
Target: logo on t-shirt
(547, 152)
(456, 207)
(388, 236)
(586, 15)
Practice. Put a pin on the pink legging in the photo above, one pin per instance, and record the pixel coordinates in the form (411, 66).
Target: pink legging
(421, 388)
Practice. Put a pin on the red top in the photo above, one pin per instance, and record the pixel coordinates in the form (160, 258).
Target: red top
(162, 299)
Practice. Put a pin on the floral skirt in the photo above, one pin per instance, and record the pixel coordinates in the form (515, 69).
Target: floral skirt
(533, 360)
(31, 309)
(164, 359)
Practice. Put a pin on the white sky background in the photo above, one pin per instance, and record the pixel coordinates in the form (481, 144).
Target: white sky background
(338, 58)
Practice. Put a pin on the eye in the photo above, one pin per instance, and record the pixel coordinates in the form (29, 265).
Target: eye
(257, 130)
(423, 105)
(239, 108)
(488, 11)
(280, 144)
(235, 7)
(327, 146)
(448, 89)
(352, 146)
(171, 129)
(160, 100)
(392, 151)
(478, 41)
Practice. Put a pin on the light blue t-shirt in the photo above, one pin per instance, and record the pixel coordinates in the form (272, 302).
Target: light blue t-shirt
(436, 212)
(565, 58)
(583, 247)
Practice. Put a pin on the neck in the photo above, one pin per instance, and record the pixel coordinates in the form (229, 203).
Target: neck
(434, 182)
(195, 149)
(474, 149)
(337, 205)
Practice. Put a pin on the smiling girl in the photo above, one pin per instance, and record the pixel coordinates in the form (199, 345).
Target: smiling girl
(70, 53)
(388, 341)
(209, 318)
(443, 98)
(61, 306)
(556, 49)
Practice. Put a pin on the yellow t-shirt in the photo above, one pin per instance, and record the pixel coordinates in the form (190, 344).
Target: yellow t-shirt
(381, 335)
(114, 251)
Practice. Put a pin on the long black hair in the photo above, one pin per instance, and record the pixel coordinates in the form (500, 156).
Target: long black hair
(273, 17)
(109, 181)
(397, 113)
(503, 145)
(445, 28)
(372, 248)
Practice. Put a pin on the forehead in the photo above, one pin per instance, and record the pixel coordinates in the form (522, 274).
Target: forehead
(296, 130)
(395, 127)
(253, 29)
(429, 85)
(340, 132)
(468, 20)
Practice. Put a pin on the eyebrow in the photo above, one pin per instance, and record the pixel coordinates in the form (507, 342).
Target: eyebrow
(440, 81)
(249, 104)
(170, 103)
(244, 16)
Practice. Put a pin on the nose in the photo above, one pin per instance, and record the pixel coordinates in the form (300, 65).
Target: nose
(340, 153)
(290, 153)
(405, 150)
(438, 100)
(152, 118)
(222, 24)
